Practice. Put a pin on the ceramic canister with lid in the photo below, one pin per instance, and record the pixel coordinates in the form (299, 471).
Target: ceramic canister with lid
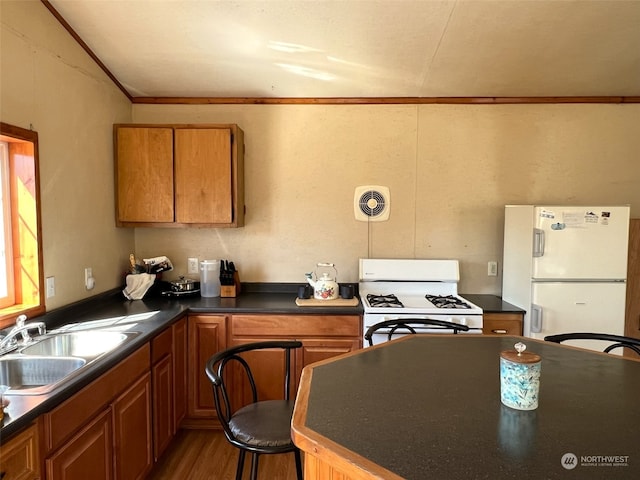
(520, 378)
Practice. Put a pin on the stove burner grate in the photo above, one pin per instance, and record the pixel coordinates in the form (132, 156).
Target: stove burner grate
(384, 301)
(447, 301)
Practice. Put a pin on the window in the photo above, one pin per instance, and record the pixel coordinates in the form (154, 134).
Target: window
(21, 278)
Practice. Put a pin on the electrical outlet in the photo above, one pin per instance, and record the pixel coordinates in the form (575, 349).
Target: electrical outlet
(51, 287)
(492, 269)
(89, 281)
(192, 265)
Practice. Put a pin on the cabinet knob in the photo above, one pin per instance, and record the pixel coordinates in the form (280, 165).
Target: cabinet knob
(499, 330)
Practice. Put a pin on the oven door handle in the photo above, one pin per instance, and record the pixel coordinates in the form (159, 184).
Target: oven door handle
(411, 323)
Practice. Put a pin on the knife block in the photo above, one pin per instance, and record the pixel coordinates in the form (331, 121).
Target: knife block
(230, 291)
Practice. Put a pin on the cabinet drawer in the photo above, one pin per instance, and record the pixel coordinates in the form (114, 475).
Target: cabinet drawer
(279, 326)
(161, 346)
(504, 324)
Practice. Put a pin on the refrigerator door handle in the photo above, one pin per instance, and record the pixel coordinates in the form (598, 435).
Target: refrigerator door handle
(538, 242)
(536, 318)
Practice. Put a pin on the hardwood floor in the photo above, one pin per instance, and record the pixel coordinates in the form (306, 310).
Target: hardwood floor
(206, 455)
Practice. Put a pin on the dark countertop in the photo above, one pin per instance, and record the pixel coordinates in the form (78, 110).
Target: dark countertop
(404, 408)
(255, 298)
(491, 303)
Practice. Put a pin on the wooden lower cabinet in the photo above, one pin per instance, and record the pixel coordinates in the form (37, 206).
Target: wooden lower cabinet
(169, 384)
(162, 387)
(322, 337)
(317, 349)
(207, 335)
(502, 323)
(115, 444)
(89, 454)
(118, 425)
(19, 457)
(179, 366)
(115, 427)
(268, 366)
(104, 430)
(132, 431)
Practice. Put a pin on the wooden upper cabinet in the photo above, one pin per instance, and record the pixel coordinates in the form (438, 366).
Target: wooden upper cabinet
(203, 175)
(179, 175)
(144, 173)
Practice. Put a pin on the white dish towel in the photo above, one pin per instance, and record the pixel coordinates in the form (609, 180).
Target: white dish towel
(137, 285)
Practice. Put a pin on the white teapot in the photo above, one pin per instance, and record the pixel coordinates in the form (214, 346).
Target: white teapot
(325, 287)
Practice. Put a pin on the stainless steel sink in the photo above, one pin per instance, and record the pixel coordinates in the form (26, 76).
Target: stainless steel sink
(52, 360)
(85, 344)
(28, 375)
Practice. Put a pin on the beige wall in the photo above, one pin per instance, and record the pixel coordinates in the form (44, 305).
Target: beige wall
(302, 166)
(450, 169)
(50, 84)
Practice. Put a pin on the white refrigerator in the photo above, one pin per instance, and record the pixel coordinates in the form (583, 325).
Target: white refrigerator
(567, 267)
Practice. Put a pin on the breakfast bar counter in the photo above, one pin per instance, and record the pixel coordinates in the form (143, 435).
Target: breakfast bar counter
(428, 406)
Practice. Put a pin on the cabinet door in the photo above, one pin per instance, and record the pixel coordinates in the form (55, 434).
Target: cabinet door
(132, 431)
(315, 350)
(144, 174)
(162, 381)
(323, 336)
(89, 454)
(207, 335)
(267, 366)
(203, 175)
(179, 372)
(19, 459)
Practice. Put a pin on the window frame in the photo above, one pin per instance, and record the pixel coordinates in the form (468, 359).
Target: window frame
(5, 185)
(23, 269)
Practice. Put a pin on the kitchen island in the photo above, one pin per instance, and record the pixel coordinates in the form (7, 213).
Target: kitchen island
(429, 407)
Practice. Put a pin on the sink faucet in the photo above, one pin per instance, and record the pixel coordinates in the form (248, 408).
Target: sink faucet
(22, 328)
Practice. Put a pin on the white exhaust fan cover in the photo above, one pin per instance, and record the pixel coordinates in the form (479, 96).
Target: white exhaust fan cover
(372, 203)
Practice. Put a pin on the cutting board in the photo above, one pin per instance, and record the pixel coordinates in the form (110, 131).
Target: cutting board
(338, 302)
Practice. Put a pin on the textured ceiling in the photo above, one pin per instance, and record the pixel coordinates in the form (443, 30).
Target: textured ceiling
(371, 48)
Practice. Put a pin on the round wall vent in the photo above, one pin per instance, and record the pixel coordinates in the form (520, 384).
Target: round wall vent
(372, 203)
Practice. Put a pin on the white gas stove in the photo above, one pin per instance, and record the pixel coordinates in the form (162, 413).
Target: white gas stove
(407, 288)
